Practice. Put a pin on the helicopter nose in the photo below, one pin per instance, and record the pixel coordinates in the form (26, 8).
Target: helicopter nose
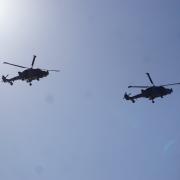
(46, 73)
(170, 91)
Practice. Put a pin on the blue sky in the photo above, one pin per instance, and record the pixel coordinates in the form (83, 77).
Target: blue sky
(75, 124)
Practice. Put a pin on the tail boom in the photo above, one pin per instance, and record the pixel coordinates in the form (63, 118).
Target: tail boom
(127, 97)
(11, 80)
(132, 98)
(5, 80)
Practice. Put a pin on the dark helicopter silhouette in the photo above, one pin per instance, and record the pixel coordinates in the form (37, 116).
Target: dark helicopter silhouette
(150, 92)
(28, 75)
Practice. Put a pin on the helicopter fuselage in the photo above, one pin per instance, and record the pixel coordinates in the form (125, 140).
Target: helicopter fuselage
(155, 92)
(32, 74)
(28, 75)
(151, 93)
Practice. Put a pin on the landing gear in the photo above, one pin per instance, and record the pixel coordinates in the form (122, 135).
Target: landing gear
(11, 83)
(153, 101)
(29, 81)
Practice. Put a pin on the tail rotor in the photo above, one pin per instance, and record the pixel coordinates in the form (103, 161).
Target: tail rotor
(127, 96)
(4, 78)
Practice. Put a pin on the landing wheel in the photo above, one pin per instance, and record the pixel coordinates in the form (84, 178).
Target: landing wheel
(11, 83)
(30, 84)
(153, 101)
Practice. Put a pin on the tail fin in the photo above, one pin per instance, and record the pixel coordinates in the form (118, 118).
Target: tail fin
(127, 97)
(4, 79)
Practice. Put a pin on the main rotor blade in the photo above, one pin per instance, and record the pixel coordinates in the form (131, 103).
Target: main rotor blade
(139, 86)
(33, 61)
(14, 65)
(150, 78)
(170, 84)
(55, 70)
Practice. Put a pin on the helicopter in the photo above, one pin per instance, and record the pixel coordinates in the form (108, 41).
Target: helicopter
(150, 92)
(28, 75)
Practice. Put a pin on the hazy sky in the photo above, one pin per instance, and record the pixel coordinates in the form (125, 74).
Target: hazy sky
(75, 125)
